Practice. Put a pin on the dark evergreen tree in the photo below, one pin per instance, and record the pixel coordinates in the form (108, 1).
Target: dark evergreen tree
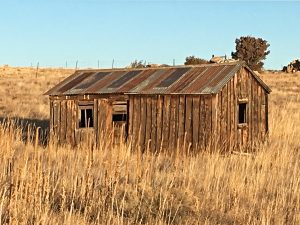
(251, 50)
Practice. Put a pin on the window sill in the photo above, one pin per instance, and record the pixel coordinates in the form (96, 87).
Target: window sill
(242, 125)
(85, 128)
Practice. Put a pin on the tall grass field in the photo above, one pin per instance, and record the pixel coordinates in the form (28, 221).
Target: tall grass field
(51, 184)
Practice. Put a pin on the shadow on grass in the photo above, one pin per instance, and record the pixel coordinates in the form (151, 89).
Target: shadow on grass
(28, 127)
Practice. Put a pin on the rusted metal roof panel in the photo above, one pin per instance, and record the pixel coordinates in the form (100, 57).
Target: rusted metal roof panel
(54, 90)
(122, 80)
(203, 79)
(200, 79)
(136, 81)
(182, 83)
(90, 80)
(173, 77)
(99, 85)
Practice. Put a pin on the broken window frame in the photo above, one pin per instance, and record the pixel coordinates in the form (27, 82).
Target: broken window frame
(119, 112)
(87, 123)
(242, 113)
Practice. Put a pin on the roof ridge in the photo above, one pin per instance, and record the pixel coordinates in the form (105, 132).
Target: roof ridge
(163, 67)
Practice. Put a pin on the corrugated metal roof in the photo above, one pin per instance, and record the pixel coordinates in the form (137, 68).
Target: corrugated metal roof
(199, 79)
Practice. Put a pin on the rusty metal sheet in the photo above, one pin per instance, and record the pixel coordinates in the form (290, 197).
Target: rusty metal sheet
(125, 78)
(173, 77)
(156, 74)
(73, 82)
(186, 80)
(136, 81)
(54, 90)
(152, 88)
(202, 80)
(96, 88)
(86, 83)
(225, 75)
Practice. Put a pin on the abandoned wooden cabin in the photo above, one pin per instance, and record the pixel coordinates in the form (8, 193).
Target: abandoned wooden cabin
(211, 105)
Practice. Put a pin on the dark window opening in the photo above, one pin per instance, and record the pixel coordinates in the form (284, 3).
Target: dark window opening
(119, 117)
(242, 113)
(86, 118)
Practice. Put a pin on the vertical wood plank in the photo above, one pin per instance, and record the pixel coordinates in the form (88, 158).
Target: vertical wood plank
(76, 134)
(95, 115)
(195, 119)
(259, 112)
(51, 121)
(229, 111)
(148, 122)
(63, 120)
(208, 111)
(188, 119)
(58, 121)
(153, 122)
(136, 119)
(235, 109)
(69, 122)
(213, 131)
(166, 121)
(175, 131)
(201, 130)
(267, 114)
(255, 112)
(130, 117)
(181, 120)
(249, 116)
(142, 128)
(172, 139)
(159, 122)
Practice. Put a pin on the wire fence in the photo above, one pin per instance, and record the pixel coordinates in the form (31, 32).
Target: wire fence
(99, 64)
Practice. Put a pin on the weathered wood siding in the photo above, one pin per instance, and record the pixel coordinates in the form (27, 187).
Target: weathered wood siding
(159, 122)
(242, 87)
(64, 120)
(167, 121)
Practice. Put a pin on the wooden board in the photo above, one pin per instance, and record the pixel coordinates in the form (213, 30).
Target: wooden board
(148, 122)
(181, 120)
(166, 122)
(153, 122)
(173, 131)
(188, 120)
(195, 119)
(159, 123)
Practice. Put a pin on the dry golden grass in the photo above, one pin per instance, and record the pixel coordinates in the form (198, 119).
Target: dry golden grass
(59, 185)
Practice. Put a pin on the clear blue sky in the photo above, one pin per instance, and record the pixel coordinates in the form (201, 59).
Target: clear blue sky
(55, 31)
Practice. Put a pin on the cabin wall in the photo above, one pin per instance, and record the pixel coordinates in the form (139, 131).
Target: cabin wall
(64, 120)
(243, 87)
(167, 121)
